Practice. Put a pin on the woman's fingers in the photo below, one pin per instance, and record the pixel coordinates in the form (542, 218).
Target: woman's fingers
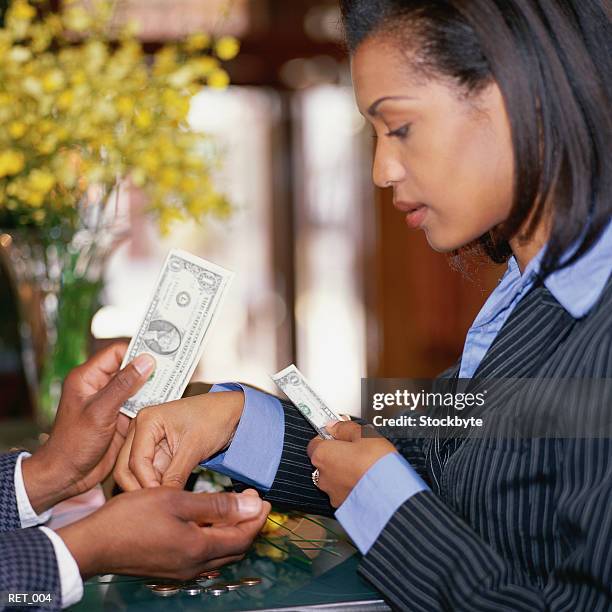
(185, 458)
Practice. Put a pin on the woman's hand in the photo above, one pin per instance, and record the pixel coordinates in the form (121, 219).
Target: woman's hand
(343, 461)
(166, 442)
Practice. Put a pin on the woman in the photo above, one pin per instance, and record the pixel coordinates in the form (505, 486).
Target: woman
(493, 128)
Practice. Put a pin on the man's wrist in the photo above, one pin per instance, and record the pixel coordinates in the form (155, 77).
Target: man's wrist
(85, 546)
(45, 482)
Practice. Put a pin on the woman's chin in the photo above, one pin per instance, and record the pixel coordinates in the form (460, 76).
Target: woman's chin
(442, 243)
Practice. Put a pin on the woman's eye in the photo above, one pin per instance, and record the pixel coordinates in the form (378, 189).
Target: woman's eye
(400, 132)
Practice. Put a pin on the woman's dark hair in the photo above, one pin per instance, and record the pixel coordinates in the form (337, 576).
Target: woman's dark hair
(552, 60)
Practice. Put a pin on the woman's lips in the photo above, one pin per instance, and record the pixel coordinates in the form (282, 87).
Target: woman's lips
(415, 212)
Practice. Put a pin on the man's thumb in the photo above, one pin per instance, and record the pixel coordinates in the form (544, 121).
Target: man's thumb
(127, 381)
(227, 508)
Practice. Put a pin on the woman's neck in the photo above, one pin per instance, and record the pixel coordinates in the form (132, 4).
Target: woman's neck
(524, 252)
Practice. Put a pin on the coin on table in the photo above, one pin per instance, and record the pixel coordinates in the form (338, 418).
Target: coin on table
(192, 589)
(166, 590)
(208, 575)
(216, 590)
(151, 585)
(233, 586)
(250, 581)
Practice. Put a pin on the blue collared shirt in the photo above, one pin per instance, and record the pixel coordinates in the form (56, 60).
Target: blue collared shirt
(255, 452)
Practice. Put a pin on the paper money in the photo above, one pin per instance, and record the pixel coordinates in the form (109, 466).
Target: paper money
(184, 304)
(292, 382)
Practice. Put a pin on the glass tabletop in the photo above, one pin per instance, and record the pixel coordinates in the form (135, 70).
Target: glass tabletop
(301, 580)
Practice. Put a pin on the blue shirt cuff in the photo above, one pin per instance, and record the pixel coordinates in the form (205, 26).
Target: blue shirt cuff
(255, 452)
(389, 483)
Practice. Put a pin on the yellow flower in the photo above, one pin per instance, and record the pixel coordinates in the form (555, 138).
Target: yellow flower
(149, 161)
(263, 549)
(165, 60)
(218, 79)
(65, 99)
(32, 86)
(227, 48)
(274, 522)
(41, 181)
(17, 129)
(77, 19)
(203, 66)
(139, 177)
(34, 198)
(22, 10)
(169, 177)
(53, 80)
(189, 185)
(11, 162)
(19, 54)
(168, 216)
(175, 105)
(78, 77)
(143, 119)
(181, 77)
(197, 41)
(125, 106)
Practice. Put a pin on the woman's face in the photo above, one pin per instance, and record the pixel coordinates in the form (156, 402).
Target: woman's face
(449, 159)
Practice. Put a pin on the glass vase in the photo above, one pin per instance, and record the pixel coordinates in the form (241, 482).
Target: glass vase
(58, 278)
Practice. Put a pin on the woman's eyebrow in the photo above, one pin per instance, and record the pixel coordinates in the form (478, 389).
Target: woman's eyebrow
(372, 110)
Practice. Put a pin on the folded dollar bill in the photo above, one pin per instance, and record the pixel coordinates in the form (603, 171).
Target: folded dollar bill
(186, 299)
(295, 386)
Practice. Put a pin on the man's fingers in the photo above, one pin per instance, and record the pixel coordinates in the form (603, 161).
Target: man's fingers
(205, 508)
(126, 382)
(347, 431)
(122, 474)
(213, 564)
(123, 425)
(230, 540)
(234, 539)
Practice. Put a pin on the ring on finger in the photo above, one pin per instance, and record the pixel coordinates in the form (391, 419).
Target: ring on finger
(315, 477)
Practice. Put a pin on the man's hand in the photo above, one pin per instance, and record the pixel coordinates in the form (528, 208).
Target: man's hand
(166, 442)
(166, 533)
(344, 460)
(88, 430)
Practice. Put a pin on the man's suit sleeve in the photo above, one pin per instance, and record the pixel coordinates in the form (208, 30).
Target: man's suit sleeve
(27, 557)
(9, 512)
(428, 558)
(28, 563)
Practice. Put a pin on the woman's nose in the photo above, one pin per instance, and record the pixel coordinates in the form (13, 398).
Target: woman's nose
(387, 169)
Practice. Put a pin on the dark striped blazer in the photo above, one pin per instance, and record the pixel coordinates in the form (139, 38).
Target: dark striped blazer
(27, 557)
(505, 526)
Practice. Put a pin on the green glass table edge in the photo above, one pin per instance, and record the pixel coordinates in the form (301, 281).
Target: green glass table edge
(286, 586)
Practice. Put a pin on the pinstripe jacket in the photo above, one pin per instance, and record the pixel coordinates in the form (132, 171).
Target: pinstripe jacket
(27, 557)
(506, 526)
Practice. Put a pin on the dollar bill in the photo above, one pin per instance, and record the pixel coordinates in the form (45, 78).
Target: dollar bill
(295, 386)
(186, 299)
